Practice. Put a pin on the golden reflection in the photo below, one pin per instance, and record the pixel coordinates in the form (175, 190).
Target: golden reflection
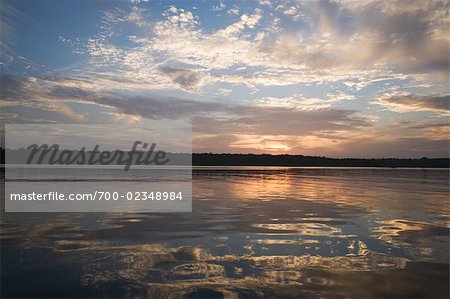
(186, 269)
(175, 271)
(192, 267)
(284, 242)
(390, 230)
(398, 232)
(339, 189)
(304, 229)
(133, 220)
(196, 271)
(357, 247)
(370, 261)
(282, 184)
(262, 187)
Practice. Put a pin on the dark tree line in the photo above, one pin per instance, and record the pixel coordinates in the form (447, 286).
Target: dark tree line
(299, 160)
(209, 159)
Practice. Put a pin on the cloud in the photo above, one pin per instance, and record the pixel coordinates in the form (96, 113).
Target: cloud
(265, 2)
(56, 113)
(186, 79)
(233, 11)
(427, 126)
(183, 18)
(287, 120)
(290, 11)
(216, 144)
(138, 1)
(219, 7)
(158, 107)
(69, 114)
(399, 33)
(376, 39)
(252, 120)
(295, 102)
(409, 40)
(9, 15)
(403, 147)
(262, 61)
(246, 21)
(405, 102)
(433, 131)
(49, 93)
(360, 145)
(11, 87)
(294, 126)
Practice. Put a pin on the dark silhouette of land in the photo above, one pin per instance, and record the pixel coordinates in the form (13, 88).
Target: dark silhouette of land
(210, 159)
(299, 160)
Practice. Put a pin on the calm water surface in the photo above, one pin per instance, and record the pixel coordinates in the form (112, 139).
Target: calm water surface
(253, 233)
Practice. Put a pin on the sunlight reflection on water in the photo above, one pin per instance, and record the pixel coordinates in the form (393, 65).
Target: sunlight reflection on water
(261, 232)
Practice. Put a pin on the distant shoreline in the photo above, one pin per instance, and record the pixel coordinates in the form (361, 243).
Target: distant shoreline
(211, 159)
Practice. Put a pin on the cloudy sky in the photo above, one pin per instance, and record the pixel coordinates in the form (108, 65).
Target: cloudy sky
(334, 78)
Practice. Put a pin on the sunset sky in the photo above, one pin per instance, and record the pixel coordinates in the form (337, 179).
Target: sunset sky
(331, 78)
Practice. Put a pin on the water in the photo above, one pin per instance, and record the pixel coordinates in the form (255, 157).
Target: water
(253, 233)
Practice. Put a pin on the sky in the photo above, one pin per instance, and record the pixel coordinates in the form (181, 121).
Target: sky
(341, 78)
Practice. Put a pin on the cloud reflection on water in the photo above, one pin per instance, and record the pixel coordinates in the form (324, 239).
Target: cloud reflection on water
(284, 233)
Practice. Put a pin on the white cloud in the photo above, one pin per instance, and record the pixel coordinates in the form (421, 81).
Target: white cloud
(173, 9)
(219, 7)
(278, 56)
(233, 11)
(265, 2)
(224, 91)
(340, 96)
(294, 102)
(290, 11)
(138, 1)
